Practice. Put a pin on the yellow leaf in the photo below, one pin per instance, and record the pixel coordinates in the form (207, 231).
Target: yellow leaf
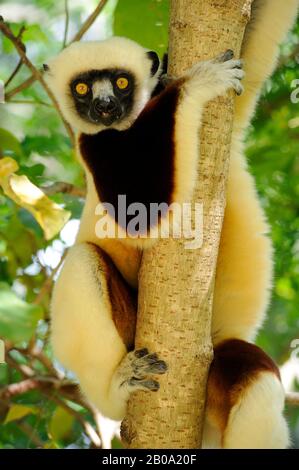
(8, 166)
(19, 188)
(61, 424)
(17, 411)
(51, 445)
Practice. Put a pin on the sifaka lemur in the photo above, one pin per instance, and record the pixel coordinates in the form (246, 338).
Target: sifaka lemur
(137, 142)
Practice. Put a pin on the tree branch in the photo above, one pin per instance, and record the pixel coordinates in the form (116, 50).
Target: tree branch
(292, 398)
(66, 26)
(89, 21)
(176, 285)
(285, 60)
(89, 430)
(21, 49)
(30, 433)
(61, 187)
(19, 65)
(85, 26)
(21, 87)
(18, 388)
(50, 386)
(14, 73)
(31, 102)
(46, 287)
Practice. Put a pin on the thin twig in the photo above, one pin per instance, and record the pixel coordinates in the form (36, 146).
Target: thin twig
(285, 60)
(31, 434)
(66, 26)
(21, 87)
(46, 287)
(25, 370)
(37, 353)
(19, 64)
(85, 26)
(89, 21)
(92, 434)
(97, 419)
(50, 386)
(61, 187)
(66, 386)
(14, 73)
(292, 398)
(21, 49)
(44, 290)
(32, 102)
(18, 388)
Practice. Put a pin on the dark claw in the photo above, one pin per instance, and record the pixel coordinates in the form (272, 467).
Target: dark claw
(228, 55)
(151, 358)
(152, 385)
(141, 352)
(158, 367)
(161, 366)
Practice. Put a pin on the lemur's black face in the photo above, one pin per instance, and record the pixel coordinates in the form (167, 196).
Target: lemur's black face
(103, 96)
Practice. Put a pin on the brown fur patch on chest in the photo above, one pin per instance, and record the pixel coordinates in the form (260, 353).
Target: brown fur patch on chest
(137, 162)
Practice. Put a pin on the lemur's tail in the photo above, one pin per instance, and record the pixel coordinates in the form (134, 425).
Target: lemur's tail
(270, 22)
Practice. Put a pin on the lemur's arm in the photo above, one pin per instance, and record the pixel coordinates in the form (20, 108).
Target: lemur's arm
(154, 161)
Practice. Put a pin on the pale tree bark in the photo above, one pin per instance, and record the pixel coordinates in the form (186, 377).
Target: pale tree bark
(175, 284)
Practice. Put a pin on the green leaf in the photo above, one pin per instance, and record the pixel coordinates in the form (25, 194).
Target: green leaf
(61, 424)
(18, 319)
(18, 411)
(8, 142)
(146, 22)
(34, 33)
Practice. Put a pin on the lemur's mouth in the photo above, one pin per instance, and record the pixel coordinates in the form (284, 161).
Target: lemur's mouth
(105, 111)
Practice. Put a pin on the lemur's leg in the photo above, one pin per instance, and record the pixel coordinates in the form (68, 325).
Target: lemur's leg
(244, 268)
(270, 22)
(245, 399)
(93, 326)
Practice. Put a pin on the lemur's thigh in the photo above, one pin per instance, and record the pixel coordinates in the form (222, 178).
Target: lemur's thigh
(244, 268)
(245, 399)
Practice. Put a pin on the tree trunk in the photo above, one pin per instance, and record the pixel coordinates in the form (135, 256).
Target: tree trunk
(175, 284)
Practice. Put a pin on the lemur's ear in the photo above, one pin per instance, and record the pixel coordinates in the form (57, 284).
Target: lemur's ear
(153, 56)
(46, 67)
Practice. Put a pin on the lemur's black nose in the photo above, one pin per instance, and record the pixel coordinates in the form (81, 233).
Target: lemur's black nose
(105, 106)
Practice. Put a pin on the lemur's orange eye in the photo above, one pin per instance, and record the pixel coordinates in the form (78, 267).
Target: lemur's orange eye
(122, 83)
(81, 88)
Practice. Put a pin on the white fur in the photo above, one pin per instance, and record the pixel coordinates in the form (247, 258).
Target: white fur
(255, 421)
(92, 348)
(245, 266)
(102, 89)
(205, 81)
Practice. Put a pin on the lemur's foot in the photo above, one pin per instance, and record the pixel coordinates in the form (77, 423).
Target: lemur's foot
(135, 368)
(215, 77)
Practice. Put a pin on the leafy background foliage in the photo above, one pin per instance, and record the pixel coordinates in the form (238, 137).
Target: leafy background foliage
(39, 405)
